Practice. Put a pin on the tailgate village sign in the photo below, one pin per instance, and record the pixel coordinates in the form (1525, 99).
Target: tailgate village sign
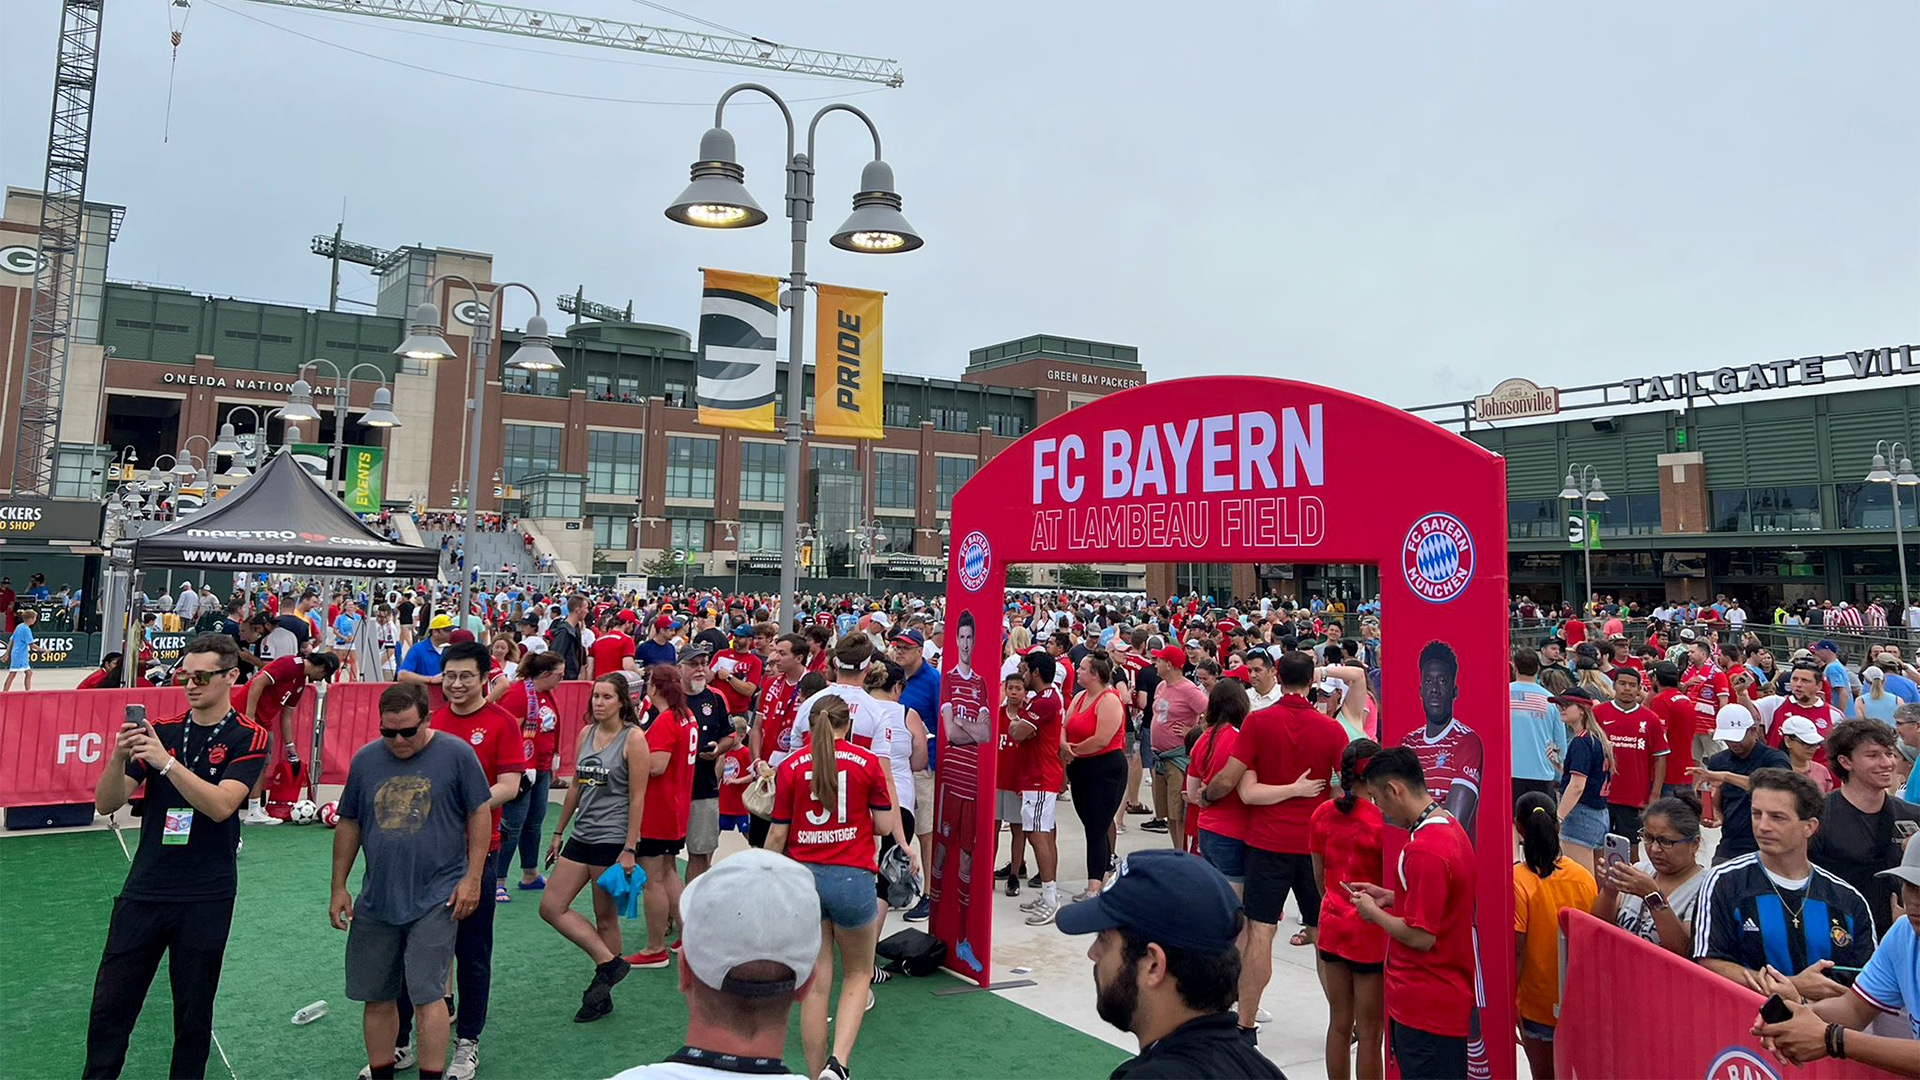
(1253, 470)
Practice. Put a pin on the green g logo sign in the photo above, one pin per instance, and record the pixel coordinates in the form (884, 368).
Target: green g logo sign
(471, 311)
(19, 259)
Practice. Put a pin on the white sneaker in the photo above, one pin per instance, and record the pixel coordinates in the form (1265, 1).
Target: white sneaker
(1043, 914)
(258, 817)
(1262, 1016)
(466, 1059)
(1033, 903)
(402, 1059)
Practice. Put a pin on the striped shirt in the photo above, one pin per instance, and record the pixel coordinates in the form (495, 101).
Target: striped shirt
(1749, 917)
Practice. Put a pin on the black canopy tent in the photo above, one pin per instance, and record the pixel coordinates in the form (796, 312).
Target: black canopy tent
(280, 520)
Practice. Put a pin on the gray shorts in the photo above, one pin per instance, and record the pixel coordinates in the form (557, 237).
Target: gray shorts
(382, 958)
(923, 802)
(1006, 807)
(703, 826)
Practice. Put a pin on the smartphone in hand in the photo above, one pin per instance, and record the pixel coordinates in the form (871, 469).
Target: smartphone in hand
(1617, 848)
(1775, 1011)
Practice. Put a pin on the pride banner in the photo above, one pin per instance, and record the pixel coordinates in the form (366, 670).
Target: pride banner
(846, 363)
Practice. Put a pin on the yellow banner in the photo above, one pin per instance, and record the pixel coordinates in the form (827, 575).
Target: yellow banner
(846, 363)
(739, 320)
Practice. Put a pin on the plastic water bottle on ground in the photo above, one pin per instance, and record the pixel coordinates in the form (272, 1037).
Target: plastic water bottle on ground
(311, 1013)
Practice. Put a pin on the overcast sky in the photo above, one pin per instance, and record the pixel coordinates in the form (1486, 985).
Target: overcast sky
(1413, 201)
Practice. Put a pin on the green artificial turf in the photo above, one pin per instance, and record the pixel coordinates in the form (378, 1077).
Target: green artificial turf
(283, 954)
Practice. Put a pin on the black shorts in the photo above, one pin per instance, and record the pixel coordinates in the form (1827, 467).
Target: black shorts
(649, 848)
(1624, 820)
(1354, 966)
(588, 853)
(1273, 874)
(1545, 787)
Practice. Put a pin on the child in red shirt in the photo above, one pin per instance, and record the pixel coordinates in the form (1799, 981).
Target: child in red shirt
(1344, 838)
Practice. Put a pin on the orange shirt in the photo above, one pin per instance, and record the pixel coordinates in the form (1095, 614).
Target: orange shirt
(1536, 913)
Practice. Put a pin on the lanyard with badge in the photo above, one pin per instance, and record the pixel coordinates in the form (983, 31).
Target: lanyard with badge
(178, 827)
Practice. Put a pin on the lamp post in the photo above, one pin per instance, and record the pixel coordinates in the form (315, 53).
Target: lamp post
(1895, 479)
(716, 199)
(299, 406)
(870, 538)
(427, 340)
(1583, 483)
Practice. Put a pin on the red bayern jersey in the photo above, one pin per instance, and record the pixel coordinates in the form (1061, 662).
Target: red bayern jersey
(1638, 735)
(1675, 708)
(1040, 766)
(670, 794)
(1706, 696)
(285, 678)
(495, 737)
(1573, 632)
(610, 652)
(747, 666)
(734, 766)
(539, 719)
(1454, 756)
(779, 700)
(1434, 891)
(1279, 743)
(837, 835)
(1227, 817)
(1007, 758)
(1822, 715)
(966, 692)
(1349, 848)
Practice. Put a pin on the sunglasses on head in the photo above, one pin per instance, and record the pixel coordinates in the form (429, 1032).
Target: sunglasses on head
(200, 678)
(399, 732)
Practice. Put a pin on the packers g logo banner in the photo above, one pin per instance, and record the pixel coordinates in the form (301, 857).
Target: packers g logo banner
(739, 323)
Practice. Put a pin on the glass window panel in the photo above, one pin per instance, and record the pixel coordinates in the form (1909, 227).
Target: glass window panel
(949, 475)
(759, 535)
(763, 472)
(687, 534)
(898, 413)
(1785, 509)
(1535, 518)
(529, 449)
(1870, 506)
(893, 480)
(690, 467)
(1729, 512)
(831, 457)
(613, 462)
(610, 532)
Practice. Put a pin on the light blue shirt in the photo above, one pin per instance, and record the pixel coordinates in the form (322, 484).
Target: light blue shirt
(1880, 709)
(1902, 687)
(1891, 981)
(1536, 726)
(1837, 681)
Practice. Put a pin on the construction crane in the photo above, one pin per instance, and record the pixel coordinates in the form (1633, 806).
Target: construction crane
(70, 136)
(612, 34)
(578, 304)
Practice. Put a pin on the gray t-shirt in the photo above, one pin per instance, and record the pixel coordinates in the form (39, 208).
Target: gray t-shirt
(413, 824)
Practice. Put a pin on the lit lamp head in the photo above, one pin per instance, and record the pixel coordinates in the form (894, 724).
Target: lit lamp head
(716, 199)
(536, 349)
(1879, 473)
(380, 414)
(300, 402)
(1594, 493)
(1906, 477)
(426, 338)
(876, 226)
(228, 445)
(1572, 488)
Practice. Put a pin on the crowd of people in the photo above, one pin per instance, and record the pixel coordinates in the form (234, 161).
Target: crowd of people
(1247, 734)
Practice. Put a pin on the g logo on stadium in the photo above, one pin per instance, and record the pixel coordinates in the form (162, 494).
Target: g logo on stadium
(470, 311)
(976, 558)
(1438, 558)
(19, 259)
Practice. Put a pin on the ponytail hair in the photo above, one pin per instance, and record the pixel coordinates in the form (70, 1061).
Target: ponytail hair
(827, 720)
(1353, 762)
(1539, 827)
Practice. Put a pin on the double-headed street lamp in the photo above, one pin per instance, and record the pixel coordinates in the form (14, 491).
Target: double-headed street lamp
(300, 407)
(1902, 475)
(717, 199)
(427, 340)
(1583, 483)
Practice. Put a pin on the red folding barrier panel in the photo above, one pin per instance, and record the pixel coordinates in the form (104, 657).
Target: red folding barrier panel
(54, 743)
(1631, 1008)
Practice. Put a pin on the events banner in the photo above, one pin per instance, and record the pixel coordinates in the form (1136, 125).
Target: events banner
(739, 323)
(1616, 989)
(366, 478)
(1253, 470)
(846, 363)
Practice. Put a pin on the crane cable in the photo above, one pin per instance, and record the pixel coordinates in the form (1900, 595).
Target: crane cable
(166, 127)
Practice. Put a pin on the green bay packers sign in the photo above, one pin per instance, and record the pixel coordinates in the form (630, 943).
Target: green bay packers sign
(24, 518)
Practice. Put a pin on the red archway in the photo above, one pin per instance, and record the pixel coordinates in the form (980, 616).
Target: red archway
(1245, 469)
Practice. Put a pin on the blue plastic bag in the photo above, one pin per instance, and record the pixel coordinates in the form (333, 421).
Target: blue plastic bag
(624, 888)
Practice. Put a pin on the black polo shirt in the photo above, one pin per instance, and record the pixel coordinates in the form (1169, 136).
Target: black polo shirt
(1206, 1046)
(711, 714)
(203, 867)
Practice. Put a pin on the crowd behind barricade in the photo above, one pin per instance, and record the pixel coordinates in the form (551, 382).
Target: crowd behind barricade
(1766, 790)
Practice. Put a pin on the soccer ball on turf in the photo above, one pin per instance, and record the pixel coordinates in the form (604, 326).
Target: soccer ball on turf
(303, 812)
(329, 814)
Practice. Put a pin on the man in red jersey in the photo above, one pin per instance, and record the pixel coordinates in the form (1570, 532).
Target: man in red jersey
(1803, 688)
(269, 699)
(612, 649)
(1707, 685)
(673, 745)
(1281, 763)
(1639, 738)
(737, 669)
(773, 736)
(1675, 709)
(1037, 732)
(495, 737)
(1428, 917)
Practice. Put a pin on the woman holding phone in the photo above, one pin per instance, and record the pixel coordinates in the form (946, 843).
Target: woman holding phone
(1656, 898)
(604, 805)
(1344, 837)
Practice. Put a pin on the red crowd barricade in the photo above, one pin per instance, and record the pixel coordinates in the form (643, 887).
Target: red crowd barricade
(352, 719)
(1619, 988)
(54, 743)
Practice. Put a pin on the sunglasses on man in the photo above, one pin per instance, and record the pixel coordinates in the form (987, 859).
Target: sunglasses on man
(200, 678)
(399, 732)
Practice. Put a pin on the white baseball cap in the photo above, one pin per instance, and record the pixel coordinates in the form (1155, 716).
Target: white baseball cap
(1730, 724)
(1801, 728)
(752, 906)
(1873, 674)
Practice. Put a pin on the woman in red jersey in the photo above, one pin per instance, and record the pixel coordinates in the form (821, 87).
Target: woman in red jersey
(1344, 838)
(825, 817)
(673, 744)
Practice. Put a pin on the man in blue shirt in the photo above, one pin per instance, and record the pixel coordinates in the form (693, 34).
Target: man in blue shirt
(657, 648)
(921, 693)
(1834, 673)
(1539, 734)
(422, 662)
(1887, 659)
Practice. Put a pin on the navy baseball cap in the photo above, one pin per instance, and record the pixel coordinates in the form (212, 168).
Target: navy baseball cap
(1827, 644)
(910, 638)
(1170, 897)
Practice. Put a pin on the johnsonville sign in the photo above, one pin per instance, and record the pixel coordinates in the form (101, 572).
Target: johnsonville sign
(1517, 398)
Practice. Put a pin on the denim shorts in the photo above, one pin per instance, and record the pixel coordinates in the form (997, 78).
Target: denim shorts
(1531, 1030)
(1586, 826)
(846, 894)
(1227, 854)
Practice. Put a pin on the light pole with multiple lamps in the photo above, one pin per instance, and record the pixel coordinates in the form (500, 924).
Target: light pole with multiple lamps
(1901, 475)
(300, 407)
(716, 199)
(1583, 483)
(870, 539)
(427, 340)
